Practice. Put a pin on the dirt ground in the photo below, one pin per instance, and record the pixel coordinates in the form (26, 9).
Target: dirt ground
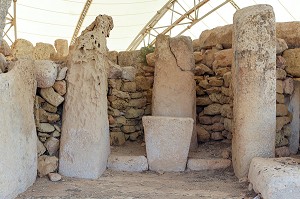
(117, 185)
(218, 184)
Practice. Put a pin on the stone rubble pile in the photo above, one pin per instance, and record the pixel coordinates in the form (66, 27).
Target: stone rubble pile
(50, 72)
(213, 57)
(129, 95)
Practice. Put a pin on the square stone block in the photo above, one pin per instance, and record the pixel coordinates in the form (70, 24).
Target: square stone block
(167, 142)
(275, 177)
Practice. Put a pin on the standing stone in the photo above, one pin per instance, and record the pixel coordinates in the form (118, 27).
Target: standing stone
(294, 109)
(18, 140)
(4, 5)
(84, 147)
(174, 89)
(254, 81)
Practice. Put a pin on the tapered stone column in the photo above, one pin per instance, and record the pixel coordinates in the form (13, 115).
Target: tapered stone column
(254, 85)
(18, 140)
(84, 145)
(174, 88)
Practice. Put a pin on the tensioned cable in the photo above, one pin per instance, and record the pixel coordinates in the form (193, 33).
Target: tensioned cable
(56, 36)
(55, 24)
(78, 13)
(124, 3)
(286, 10)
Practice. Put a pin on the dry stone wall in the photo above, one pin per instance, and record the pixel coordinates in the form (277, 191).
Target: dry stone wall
(213, 56)
(51, 87)
(129, 96)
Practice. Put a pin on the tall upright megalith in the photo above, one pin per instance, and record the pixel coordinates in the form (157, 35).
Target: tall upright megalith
(254, 86)
(174, 89)
(18, 140)
(85, 142)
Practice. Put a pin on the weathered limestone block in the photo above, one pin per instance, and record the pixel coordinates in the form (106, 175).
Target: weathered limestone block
(209, 57)
(47, 164)
(292, 59)
(290, 32)
(113, 56)
(280, 74)
(127, 163)
(166, 100)
(62, 49)
(84, 144)
(128, 73)
(219, 35)
(167, 142)
(144, 83)
(117, 138)
(223, 58)
(43, 51)
(51, 96)
(61, 74)
(129, 58)
(150, 59)
(280, 62)
(202, 134)
(60, 87)
(254, 105)
(280, 46)
(5, 48)
(18, 140)
(46, 73)
(275, 177)
(201, 69)
(288, 86)
(115, 71)
(213, 109)
(281, 110)
(279, 86)
(22, 49)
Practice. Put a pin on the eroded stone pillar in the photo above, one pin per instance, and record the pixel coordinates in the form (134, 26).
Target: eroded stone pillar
(84, 145)
(254, 82)
(18, 140)
(174, 90)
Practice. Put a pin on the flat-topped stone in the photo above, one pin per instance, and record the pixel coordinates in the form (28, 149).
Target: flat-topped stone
(167, 142)
(275, 178)
(127, 163)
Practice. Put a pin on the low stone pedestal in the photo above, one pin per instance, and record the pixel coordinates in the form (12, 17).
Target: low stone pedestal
(208, 164)
(167, 142)
(127, 163)
(275, 177)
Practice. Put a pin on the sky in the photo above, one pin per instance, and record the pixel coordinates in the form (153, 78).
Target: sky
(56, 19)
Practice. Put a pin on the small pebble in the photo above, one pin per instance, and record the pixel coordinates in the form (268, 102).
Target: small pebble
(54, 177)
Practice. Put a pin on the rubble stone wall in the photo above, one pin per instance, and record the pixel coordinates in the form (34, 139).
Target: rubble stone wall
(50, 70)
(213, 55)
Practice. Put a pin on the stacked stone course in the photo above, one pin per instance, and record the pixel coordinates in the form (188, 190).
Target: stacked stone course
(129, 97)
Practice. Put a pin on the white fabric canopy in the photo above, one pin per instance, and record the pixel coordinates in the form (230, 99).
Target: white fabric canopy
(47, 20)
